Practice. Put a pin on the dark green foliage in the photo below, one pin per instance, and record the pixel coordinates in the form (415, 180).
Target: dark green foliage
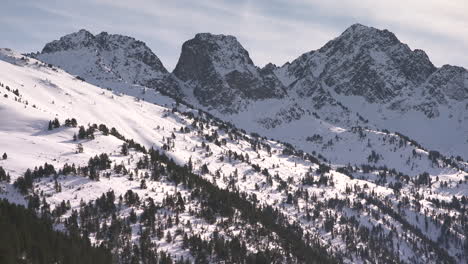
(86, 133)
(53, 124)
(124, 149)
(373, 157)
(223, 202)
(3, 175)
(103, 128)
(71, 122)
(96, 164)
(323, 169)
(16, 92)
(56, 123)
(423, 179)
(25, 238)
(26, 182)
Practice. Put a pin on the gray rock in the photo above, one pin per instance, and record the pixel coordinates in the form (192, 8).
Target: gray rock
(221, 74)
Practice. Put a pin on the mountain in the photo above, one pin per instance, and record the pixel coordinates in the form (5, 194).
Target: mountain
(363, 61)
(220, 74)
(365, 78)
(107, 60)
(151, 178)
(162, 181)
(127, 174)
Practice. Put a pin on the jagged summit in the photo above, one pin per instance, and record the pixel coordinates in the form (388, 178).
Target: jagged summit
(220, 73)
(82, 38)
(220, 51)
(361, 69)
(373, 151)
(105, 58)
(206, 36)
(449, 82)
(367, 62)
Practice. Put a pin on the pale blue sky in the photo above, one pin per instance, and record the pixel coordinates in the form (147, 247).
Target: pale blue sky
(271, 30)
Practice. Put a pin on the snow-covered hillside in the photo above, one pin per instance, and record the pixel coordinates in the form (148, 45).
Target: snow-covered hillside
(257, 199)
(363, 78)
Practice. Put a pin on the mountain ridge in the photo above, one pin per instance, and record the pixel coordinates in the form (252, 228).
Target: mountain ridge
(363, 77)
(148, 176)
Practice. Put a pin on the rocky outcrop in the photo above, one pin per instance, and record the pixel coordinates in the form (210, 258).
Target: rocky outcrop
(220, 73)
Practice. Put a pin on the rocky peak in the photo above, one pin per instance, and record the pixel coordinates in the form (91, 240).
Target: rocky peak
(105, 58)
(359, 36)
(82, 38)
(221, 73)
(269, 68)
(365, 61)
(448, 81)
(221, 53)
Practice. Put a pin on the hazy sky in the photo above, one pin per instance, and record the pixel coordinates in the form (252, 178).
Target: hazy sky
(271, 30)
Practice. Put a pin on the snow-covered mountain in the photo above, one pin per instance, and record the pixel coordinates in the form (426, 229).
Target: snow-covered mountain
(219, 73)
(365, 77)
(196, 179)
(372, 169)
(107, 60)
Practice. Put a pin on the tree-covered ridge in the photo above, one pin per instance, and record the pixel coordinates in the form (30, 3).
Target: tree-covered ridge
(95, 182)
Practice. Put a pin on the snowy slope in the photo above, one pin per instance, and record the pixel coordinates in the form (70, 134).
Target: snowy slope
(365, 77)
(397, 210)
(47, 93)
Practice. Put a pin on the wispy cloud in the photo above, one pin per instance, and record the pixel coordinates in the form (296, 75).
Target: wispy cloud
(271, 30)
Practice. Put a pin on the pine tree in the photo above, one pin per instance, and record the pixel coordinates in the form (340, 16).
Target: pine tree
(133, 216)
(79, 148)
(5, 156)
(82, 133)
(124, 150)
(168, 237)
(143, 184)
(74, 123)
(56, 123)
(3, 175)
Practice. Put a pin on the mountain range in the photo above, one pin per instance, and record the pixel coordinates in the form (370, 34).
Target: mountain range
(352, 153)
(364, 77)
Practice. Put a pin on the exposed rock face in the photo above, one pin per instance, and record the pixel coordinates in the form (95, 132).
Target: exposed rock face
(365, 77)
(449, 82)
(220, 72)
(363, 61)
(216, 72)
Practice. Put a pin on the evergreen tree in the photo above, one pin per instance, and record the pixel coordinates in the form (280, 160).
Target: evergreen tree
(124, 150)
(168, 237)
(3, 174)
(79, 148)
(74, 123)
(81, 132)
(56, 123)
(5, 156)
(143, 184)
(26, 238)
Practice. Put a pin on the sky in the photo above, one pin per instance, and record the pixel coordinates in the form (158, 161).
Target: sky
(271, 30)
